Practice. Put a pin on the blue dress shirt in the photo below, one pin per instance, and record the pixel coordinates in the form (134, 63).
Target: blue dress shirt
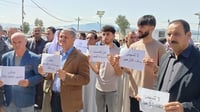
(64, 56)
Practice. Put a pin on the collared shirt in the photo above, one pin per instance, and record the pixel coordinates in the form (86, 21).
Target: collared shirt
(174, 65)
(64, 56)
(36, 46)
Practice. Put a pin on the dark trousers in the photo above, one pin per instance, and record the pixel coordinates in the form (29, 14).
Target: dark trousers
(134, 105)
(39, 95)
(55, 102)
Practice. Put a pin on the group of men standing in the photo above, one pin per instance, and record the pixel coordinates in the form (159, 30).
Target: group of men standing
(174, 71)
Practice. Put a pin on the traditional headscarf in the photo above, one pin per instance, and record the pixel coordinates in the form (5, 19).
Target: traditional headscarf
(54, 46)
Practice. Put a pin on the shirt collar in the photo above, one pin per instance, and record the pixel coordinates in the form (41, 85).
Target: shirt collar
(185, 52)
(67, 52)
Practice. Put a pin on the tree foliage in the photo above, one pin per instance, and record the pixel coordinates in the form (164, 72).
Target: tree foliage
(38, 22)
(25, 27)
(123, 24)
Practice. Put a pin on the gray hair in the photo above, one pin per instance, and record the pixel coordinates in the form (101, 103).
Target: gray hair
(72, 30)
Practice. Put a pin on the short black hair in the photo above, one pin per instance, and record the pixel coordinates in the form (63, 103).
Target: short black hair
(185, 24)
(52, 29)
(108, 28)
(147, 20)
(94, 34)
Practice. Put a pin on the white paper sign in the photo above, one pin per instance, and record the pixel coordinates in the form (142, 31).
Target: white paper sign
(1, 70)
(133, 59)
(50, 62)
(81, 45)
(152, 100)
(99, 53)
(11, 75)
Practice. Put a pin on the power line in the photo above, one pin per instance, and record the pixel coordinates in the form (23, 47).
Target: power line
(10, 2)
(48, 12)
(15, 4)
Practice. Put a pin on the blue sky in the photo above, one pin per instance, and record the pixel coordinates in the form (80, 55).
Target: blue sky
(70, 10)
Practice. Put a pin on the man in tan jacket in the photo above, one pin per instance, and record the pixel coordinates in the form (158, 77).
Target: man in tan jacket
(68, 81)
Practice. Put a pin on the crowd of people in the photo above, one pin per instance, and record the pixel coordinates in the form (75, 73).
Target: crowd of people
(80, 85)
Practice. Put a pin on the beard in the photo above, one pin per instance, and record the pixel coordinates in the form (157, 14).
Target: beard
(145, 34)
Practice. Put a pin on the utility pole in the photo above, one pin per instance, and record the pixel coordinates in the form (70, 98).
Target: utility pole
(22, 15)
(100, 14)
(78, 24)
(78, 19)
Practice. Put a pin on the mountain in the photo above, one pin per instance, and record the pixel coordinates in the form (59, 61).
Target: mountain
(82, 27)
(8, 25)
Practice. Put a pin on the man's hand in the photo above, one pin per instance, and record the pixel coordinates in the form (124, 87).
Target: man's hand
(23, 83)
(41, 70)
(1, 83)
(63, 74)
(173, 107)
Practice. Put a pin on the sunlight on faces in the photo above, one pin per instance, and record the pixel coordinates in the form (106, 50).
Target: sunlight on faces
(131, 37)
(49, 34)
(144, 31)
(18, 41)
(107, 37)
(37, 32)
(91, 39)
(176, 37)
(66, 39)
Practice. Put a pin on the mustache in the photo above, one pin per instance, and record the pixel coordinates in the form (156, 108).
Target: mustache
(174, 42)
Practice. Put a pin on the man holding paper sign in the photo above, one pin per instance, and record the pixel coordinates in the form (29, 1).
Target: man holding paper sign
(107, 74)
(21, 97)
(179, 72)
(153, 51)
(68, 81)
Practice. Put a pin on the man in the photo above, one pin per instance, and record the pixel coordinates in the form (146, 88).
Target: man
(36, 44)
(3, 49)
(50, 33)
(68, 82)
(179, 72)
(20, 98)
(107, 74)
(11, 31)
(123, 84)
(153, 52)
(89, 91)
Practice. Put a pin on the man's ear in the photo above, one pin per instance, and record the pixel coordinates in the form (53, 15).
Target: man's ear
(188, 35)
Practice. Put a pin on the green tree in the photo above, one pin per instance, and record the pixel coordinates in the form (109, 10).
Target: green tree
(123, 24)
(25, 27)
(38, 22)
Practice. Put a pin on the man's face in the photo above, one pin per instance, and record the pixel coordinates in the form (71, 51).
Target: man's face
(18, 42)
(91, 40)
(50, 35)
(37, 32)
(131, 38)
(107, 37)
(177, 39)
(11, 31)
(144, 31)
(66, 39)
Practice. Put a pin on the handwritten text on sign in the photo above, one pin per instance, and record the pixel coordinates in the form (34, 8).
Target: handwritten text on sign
(50, 62)
(11, 75)
(99, 53)
(81, 45)
(152, 100)
(130, 58)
